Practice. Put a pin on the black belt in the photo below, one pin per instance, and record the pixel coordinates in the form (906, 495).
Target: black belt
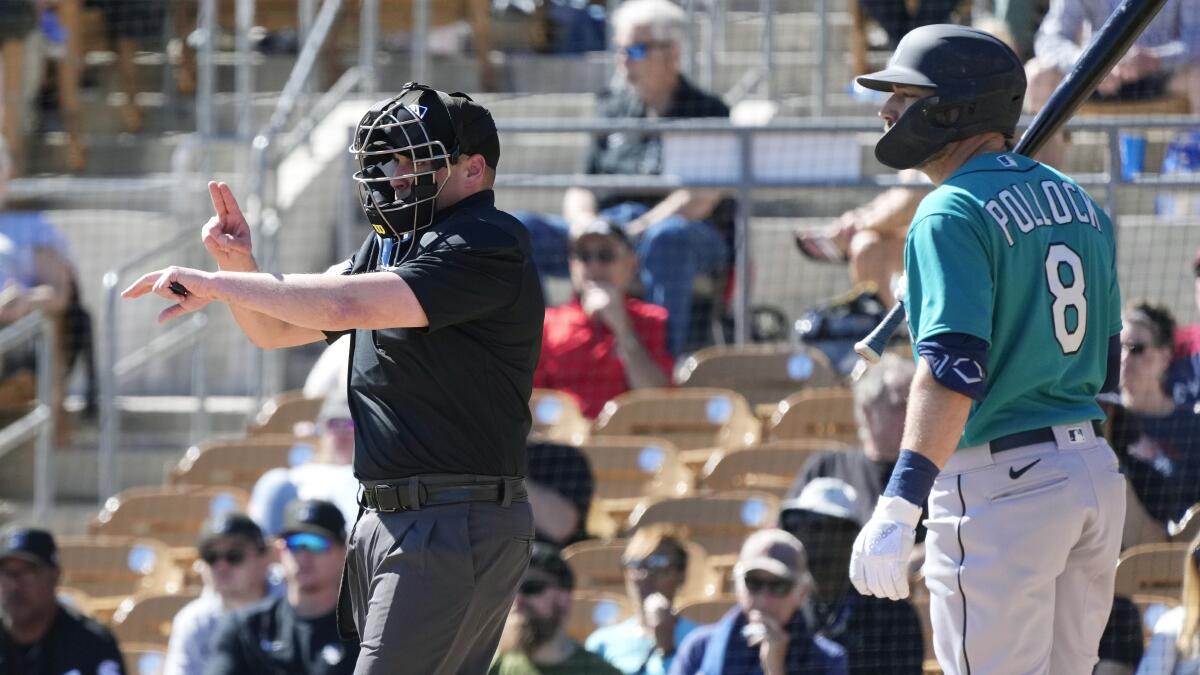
(411, 494)
(1023, 438)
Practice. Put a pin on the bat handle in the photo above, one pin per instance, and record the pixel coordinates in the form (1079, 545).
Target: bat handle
(871, 347)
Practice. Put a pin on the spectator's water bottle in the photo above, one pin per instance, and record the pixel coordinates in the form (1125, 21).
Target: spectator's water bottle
(1182, 158)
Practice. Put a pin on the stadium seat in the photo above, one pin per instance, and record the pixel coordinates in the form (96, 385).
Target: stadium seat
(173, 515)
(100, 572)
(597, 567)
(1188, 527)
(147, 618)
(697, 420)
(144, 658)
(1170, 104)
(556, 415)
(708, 611)
(817, 413)
(627, 469)
(719, 523)
(596, 609)
(770, 468)
(762, 373)
(239, 463)
(1152, 570)
(283, 412)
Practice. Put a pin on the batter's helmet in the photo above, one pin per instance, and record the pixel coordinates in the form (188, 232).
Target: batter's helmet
(979, 86)
(431, 128)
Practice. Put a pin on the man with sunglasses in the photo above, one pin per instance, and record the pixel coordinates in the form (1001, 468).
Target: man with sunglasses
(679, 234)
(767, 631)
(235, 561)
(603, 343)
(655, 564)
(879, 635)
(535, 638)
(295, 634)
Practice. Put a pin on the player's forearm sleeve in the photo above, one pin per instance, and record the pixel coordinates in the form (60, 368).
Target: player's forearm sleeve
(958, 361)
(1112, 378)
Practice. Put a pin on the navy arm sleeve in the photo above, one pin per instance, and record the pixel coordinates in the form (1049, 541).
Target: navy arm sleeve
(958, 361)
(1112, 378)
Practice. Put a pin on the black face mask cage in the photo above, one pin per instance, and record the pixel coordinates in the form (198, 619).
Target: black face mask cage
(381, 136)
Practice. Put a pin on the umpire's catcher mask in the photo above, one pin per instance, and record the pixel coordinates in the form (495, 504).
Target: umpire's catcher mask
(432, 129)
(979, 86)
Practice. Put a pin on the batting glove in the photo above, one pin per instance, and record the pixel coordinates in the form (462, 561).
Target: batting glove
(879, 561)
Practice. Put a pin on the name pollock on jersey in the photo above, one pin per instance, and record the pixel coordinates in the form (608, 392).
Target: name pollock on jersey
(1050, 203)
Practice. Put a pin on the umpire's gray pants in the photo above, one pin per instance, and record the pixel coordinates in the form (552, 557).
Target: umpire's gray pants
(1020, 570)
(429, 590)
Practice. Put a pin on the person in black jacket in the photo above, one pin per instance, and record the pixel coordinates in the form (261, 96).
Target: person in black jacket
(295, 634)
(37, 633)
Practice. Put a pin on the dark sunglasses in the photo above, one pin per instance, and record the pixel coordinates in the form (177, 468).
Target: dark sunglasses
(233, 556)
(307, 541)
(775, 587)
(602, 255)
(530, 587)
(1135, 348)
(654, 563)
(640, 50)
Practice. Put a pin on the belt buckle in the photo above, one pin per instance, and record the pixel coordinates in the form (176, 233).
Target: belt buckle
(386, 499)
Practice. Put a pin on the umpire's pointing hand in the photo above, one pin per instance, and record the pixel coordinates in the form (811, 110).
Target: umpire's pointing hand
(196, 282)
(227, 234)
(879, 560)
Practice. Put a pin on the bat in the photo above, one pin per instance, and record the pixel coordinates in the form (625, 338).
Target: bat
(1107, 47)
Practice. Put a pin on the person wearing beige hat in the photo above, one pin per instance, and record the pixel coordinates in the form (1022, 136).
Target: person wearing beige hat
(769, 630)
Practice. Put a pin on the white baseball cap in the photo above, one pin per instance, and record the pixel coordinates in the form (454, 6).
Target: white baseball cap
(827, 496)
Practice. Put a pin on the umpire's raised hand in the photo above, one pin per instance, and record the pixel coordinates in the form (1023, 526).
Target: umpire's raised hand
(227, 234)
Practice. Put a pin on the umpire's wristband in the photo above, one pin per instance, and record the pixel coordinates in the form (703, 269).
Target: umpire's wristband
(912, 479)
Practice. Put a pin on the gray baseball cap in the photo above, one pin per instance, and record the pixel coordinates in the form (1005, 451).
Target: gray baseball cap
(827, 496)
(775, 552)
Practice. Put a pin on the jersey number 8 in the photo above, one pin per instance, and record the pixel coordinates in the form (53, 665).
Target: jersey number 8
(1066, 296)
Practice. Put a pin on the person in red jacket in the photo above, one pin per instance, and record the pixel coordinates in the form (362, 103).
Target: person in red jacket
(603, 342)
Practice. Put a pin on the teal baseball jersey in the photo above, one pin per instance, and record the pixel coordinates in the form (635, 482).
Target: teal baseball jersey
(1017, 254)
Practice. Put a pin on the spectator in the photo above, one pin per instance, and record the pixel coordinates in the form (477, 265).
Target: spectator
(17, 21)
(898, 18)
(1174, 647)
(768, 631)
(603, 343)
(879, 635)
(35, 274)
(676, 236)
(870, 238)
(655, 562)
(1162, 461)
(130, 22)
(560, 486)
(37, 633)
(1165, 58)
(880, 401)
(234, 563)
(1121, 644)
(326, 475)
(535, 637)
(296, 633)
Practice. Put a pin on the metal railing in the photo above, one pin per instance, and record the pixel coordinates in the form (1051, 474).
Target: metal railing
(40, 421)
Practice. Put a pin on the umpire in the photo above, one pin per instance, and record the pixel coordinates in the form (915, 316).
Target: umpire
(444, 309)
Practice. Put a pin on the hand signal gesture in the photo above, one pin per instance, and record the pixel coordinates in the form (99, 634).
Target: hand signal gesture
(227, 234)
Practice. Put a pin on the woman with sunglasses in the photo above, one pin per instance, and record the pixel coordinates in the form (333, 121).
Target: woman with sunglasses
(1163, 463)
(1174, 648)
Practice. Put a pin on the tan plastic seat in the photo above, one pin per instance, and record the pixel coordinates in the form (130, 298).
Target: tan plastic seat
(1152, 570)
(719, 523)
(596, 609)
(147, 618)
(239, 463)
(761, 373)
(100, 572)
(708, 611)
(557, 416)
(818, 413)
(597, 567)
(770, 469)
(283, 412)
(627, 469)
(698, 420)
(171, 514)
(1188, 527)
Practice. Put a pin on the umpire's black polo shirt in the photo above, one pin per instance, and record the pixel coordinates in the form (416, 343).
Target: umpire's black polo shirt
(268, 638)
(74, 644)
(452, 397)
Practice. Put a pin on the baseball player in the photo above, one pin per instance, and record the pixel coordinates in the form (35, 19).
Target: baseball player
(444, 311)
(1014, 310)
